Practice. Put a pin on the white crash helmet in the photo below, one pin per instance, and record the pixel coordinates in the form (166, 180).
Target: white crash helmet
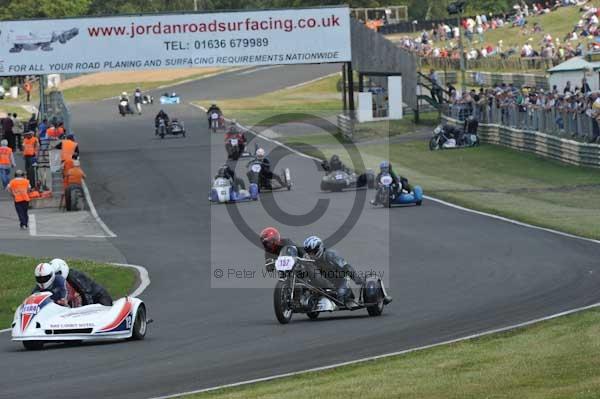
(437, 130)
(124, 94)
(60, 267)
(260, 153)
(44, 275)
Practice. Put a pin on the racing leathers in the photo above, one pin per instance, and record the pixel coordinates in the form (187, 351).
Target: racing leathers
(233, 133)
(226, 172)
(397, 182)
(266, 175)
(212, 110)
(161, 114)
(271, 256)
(58, 290)
(125, 108)
(90, 291)
(453, 132)
(330, 272)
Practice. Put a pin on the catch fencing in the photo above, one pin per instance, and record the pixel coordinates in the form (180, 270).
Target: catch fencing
(561, 122)
(493, 63)
(552, 133)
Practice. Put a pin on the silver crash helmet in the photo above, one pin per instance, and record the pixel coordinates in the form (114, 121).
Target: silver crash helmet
(438, 130)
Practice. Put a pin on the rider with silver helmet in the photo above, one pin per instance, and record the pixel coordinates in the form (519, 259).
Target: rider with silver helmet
(90, 291)
(48, 281)
(331, 269)
(265, 171)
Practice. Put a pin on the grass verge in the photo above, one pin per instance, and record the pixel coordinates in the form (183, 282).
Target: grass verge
(98, 92)
(18, 281)
(551, 360)
(315, 100)
(489, 178)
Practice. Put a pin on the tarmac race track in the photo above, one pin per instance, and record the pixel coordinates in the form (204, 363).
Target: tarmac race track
(451, 273)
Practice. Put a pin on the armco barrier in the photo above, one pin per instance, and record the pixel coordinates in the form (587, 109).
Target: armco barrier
(545, 145)
(345, 126)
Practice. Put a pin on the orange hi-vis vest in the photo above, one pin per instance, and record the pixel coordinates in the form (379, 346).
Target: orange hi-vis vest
(74, 176)
(5, 153)
(19, 187)
(29, 146)
(68, 149)
(51, 131)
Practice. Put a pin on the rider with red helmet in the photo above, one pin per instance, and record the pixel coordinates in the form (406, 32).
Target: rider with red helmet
(234, 133)
(273, 243)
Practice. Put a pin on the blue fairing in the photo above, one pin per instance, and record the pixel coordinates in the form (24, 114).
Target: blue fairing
(412, 198)
(254, 191)
(169, 100)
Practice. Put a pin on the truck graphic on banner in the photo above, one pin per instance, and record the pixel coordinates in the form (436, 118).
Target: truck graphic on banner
(33, 41)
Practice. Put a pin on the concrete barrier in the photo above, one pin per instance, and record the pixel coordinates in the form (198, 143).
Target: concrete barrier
(545, 145)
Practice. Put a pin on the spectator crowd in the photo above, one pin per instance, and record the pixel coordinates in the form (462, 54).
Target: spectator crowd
(442, 40)
(573, 110)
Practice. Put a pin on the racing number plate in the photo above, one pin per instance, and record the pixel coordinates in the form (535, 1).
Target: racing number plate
(234, 141)
(339, 177)
(255, 168)
(214, 116)
(386, 180)
(285, 263)
(30, 309)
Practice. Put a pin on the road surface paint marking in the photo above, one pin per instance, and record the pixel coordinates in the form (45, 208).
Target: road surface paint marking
(88, 198)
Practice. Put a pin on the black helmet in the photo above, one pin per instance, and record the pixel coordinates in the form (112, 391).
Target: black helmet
(335, 158)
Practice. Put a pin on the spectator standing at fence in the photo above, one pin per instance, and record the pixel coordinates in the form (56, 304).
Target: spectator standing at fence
(27, 87)
(568, 89)
(32, 124)
(436, 88)
(19, 188)
(68, 147)
(7, 161)
(585, 87)
(31, 147)
(7, 129)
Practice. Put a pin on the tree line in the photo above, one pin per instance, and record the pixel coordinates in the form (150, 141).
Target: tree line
(31, 9)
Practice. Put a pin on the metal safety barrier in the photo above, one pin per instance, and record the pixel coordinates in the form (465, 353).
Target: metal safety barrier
(345, 125)
(543, 144)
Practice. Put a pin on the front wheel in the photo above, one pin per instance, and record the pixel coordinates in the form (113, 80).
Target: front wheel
(140, 325)
(434, 144)
(282, 298)
(33, 345)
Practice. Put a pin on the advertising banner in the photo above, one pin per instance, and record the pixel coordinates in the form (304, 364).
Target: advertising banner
(298, 36)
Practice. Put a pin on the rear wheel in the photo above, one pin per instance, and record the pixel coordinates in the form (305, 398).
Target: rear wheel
(312, 315)
(419, 202)
(282, 302)
(140, 325)
(377, 308)
(33, 345)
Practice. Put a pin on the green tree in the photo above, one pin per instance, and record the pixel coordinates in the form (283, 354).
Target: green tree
(23, 9)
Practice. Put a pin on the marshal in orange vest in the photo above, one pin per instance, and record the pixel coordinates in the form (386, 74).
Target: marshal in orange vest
(19, 188)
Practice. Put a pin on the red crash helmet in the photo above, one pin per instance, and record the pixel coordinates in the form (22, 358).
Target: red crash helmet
(270, 238)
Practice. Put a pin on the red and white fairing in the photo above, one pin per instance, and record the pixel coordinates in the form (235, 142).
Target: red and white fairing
(38, 318)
